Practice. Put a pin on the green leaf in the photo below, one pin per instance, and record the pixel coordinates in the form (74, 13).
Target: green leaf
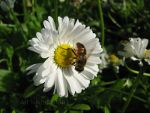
(13, 111)
(5, 80)
(54, 99)
(81, 107)
(75, 111)
(4, 72)
(106, 109)
(9, 50)
(2, 111)
(119, 84)
(96, 80)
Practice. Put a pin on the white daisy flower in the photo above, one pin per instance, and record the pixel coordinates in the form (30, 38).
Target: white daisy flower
(71, 53)
(136, 49)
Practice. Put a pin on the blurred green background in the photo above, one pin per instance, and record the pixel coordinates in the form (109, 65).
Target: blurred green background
(108, 92)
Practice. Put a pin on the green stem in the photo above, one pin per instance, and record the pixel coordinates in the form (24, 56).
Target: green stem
(56, 10)
(24, 9)
(33, 7)
(133, 90)
(108, 83)
(134, 71)
(101, 22)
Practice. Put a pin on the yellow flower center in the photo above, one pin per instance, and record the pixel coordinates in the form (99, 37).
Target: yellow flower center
(147, 54)
(114, 59)
(64, 55)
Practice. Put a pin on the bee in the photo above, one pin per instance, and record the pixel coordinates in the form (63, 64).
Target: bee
(81, 57)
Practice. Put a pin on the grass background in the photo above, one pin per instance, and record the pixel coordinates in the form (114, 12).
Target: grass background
(107, 92)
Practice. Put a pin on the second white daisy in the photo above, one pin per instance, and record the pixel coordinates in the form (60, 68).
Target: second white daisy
(136, 49)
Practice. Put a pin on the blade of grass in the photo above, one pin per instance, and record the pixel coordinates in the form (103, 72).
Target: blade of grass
(56, 11)
(101, 22)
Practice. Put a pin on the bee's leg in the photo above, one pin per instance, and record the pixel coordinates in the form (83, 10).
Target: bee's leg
(72, 60)
(73, 50)
(73, 63)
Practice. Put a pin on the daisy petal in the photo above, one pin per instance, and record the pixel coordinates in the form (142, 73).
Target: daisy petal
(61, 84)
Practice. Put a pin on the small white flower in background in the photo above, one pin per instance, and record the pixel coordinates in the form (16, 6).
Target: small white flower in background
(109, 59)
(6, 4)
(71, 53)
(136, 50)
